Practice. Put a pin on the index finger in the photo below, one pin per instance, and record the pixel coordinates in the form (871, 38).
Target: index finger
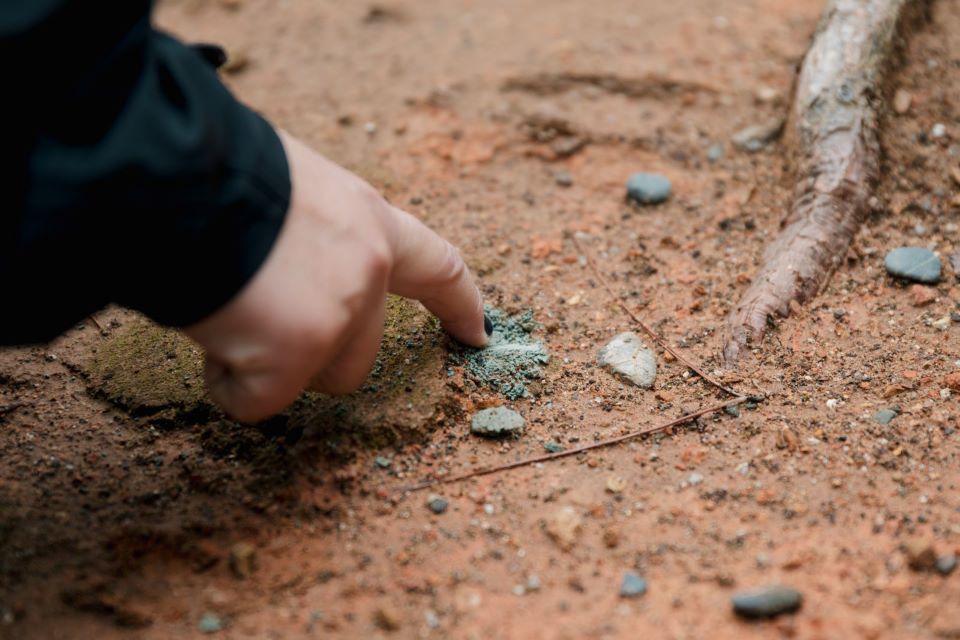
(430, 269)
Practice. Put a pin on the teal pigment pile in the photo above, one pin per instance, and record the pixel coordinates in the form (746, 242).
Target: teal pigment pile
(511, 358)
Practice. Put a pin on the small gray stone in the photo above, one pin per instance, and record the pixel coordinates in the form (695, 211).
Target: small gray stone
(382, 462)
(946, 564)
(715, 152)
(648, 188)
(767, 602)
(627, 357)
(210, 623)
(496, 422)
(553, 447)
(563, 178)
(733, 410)
(632, 586)
(913, 263)
(757, 136)
(437, 504)
(884, 416)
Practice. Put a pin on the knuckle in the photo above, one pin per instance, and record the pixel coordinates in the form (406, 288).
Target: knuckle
(454, 268)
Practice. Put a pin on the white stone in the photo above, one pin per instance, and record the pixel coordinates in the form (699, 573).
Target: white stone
(627, 357)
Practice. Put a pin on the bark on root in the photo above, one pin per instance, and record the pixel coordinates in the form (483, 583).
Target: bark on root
(832, 134)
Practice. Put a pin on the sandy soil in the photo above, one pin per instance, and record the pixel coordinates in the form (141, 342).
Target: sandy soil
(124, 517)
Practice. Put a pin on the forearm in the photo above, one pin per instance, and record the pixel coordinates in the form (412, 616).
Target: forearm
(138, 178)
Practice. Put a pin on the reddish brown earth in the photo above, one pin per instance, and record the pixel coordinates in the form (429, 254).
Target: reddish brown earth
(119, 520)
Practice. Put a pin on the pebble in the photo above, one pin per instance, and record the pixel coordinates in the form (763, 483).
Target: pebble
(921, 296)
(627, 357)
(648, 188)
(437, 504)
(496, 422)
(243, 559)
(553, 447)
(902, 101)
(382, 462)
(387, 619)
(938, 131)
(766, 602)
(913, 263)
(946, 564)
(694, 479)
(715, 152)
(564, 527)
(884, 416)
(756, 137)
(632, 586)
(210, 623)
(563, 179)
(921, 555)
(732, 411)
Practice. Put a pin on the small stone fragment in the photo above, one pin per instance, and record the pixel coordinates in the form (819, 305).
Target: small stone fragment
(733, 410)
(383, 462)
(564, 527)
(902, 101)
(632, 586)
(387, 619)
(496, 422)
(921, 296)
(627, 357)
(946, 564)
(921, 555)
(757, 136)
(210, 623)
(563, 179)
(648, 188)
(437, 504)
(767, 602)
(938, 131)
(553, 447)
(243, 559)
(616, 484)
(884, 416)
(913, 263)
(715, 152)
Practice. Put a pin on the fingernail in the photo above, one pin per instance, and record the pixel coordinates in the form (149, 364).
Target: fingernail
(487, 325)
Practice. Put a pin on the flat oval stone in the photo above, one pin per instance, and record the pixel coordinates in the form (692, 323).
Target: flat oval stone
(767, 602)
(648, 188)
(496, 422)
(627, 357)
(913, 263)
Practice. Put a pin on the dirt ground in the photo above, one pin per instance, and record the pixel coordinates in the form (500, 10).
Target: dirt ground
(508, 125)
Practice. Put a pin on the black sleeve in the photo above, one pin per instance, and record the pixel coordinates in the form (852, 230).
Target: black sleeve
(130, 174)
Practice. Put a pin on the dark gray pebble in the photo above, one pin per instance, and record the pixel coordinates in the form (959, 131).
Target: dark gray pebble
(946, 564)
(767, 602)
(648, 188)
(632, 586)
(437, 504)
(913, 263)
(732, 411)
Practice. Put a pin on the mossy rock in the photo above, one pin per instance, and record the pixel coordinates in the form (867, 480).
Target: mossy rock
(156, 372)
(147, 369)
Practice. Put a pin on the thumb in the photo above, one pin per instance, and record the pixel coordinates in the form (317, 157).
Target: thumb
(249, 396)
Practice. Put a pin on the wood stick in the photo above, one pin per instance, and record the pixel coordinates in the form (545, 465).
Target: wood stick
(572, 452)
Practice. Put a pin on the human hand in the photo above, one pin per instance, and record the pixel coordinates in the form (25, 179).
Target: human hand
(313, 315)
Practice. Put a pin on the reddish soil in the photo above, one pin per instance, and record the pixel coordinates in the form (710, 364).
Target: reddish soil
(119, 523)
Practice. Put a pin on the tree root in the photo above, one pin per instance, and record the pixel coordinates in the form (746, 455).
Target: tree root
(833, 139)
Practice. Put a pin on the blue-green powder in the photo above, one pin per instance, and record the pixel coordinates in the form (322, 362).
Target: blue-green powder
(511, 358)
